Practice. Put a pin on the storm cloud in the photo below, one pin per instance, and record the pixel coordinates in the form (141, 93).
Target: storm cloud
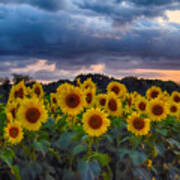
(76, 34)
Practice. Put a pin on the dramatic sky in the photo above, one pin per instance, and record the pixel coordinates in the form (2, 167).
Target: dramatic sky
(56, 39)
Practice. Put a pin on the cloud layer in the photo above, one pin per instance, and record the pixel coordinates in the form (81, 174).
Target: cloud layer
(78, 35)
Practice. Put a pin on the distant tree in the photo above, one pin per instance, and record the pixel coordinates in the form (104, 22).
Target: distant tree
(19, 77)
(5, 86)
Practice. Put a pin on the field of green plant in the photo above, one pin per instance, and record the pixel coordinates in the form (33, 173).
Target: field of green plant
(80, 134)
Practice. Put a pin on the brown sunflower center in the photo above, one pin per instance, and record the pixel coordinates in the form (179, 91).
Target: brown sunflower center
(115, 89)
(138, 123)
(129, 101)
(52, 109)
(19, 93)
(72, 100)
(112, 105)
(37, 91)
(13, 132)
(102, 101)
(142, 106)
(177, 98)
(157, 110)
(95, 121)
(154, 94)
(13, 112)
(89, 97)
(173, 109)
(54, 100)
(87, 86)
(32, 115)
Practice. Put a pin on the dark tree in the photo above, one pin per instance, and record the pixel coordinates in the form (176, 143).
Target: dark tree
(19, 77)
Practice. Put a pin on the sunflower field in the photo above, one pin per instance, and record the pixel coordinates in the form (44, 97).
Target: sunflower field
(78, 133)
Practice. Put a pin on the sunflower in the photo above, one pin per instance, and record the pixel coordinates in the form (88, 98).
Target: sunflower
(101, 100)
(53, 98)
(63, 87)
(135, 95)
(153, 92)
(32, 114)
(38, 90)
(113, 105)
(29, 91)
(12, 108)
(13, 133)
(138, 125)
(175, 96)
(9, 118)
(173, 108)
(164, 96)
(72, 100)
(78, 82)
(52, 109)
(157, 110)
(89, 97)
(17, 91)
(116, 87)
(88, 84)
(141, 104)
(129, 99)
(95, 122)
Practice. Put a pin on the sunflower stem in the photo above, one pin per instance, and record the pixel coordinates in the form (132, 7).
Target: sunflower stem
(90, 149)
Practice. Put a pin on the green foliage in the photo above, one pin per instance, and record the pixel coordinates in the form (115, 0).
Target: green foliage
(89, 170)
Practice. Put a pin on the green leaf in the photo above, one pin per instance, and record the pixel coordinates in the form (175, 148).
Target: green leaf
(138, 157)
(65, 140)
(41, 145)
(124, 139)
(7, 157)
(69, 175)
(163, 132)
(15, 172)
(102, 158)
(123, 152)
(89, 170)
(141, 173)
(49, 177)
(173, 143)
(109, 138)
(79, 148)
(160, 149)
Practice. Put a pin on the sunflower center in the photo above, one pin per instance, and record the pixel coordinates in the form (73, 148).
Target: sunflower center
(154, 94)
(95, 121)
(72, 100)
(157, 110)
(37, 91)
(13, 112)
(54, 100)
(129, 101)
(177, 98)
(173, 109)
(142, 106)
(32, 115)
(89, 98)
(102, 101)
(138, 123)
(112, 105)
(13, 132)
(115, 89)
(87, 86)
(19, 93)
(52, 109)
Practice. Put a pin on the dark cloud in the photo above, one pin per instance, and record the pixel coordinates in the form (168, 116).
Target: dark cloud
(153, 2)
(75, 34)
(50, 5)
